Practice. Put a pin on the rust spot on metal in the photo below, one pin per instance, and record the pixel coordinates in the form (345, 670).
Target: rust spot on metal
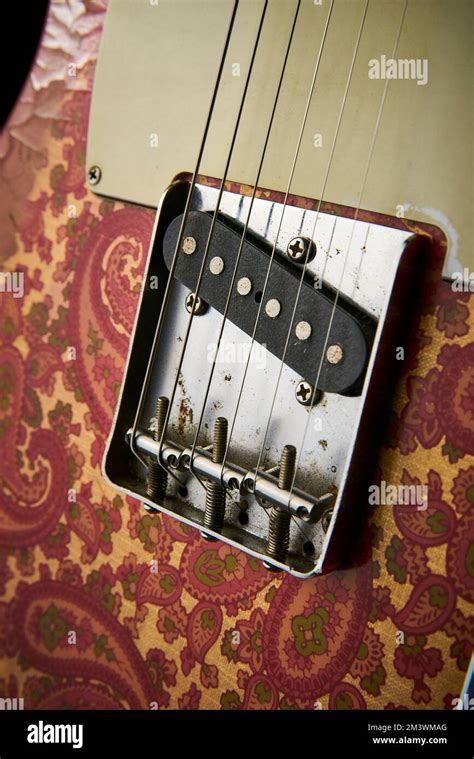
(185, 415)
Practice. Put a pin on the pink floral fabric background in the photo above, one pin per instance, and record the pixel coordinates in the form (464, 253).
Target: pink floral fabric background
(211, 629)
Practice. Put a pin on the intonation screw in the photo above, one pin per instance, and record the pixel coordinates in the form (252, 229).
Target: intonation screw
(279, 527)
(215, 493)
(157, 477)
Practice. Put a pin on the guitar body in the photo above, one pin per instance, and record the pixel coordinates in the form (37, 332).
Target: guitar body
(160, 617)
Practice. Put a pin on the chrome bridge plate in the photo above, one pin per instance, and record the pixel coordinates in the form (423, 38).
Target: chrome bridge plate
(371, 264)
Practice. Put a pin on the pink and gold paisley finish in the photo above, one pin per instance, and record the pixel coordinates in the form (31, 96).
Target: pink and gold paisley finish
(105, 606)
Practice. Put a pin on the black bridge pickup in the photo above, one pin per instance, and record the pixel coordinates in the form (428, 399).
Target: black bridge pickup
(352, 330)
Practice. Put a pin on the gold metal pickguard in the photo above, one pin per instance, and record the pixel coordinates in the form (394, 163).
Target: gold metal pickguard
(156, 72)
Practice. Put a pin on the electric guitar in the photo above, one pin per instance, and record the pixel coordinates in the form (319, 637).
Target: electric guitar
(237, 370)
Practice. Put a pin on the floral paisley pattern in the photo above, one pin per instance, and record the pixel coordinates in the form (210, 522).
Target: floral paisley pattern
(106, 606)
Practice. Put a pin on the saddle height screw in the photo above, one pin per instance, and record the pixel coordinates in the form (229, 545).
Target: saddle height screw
(279, 527)
(157, 477)
(215, 493)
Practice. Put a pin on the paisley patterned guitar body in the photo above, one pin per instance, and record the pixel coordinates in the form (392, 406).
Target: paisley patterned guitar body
(107, 605)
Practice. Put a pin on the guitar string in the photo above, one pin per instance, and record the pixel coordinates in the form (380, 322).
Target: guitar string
(361, 193)
(211, 230)
(187, 206)
(294, 519)
(199, 281)
(276, 241)
(288, 187)
(323, 190)
(243, 236)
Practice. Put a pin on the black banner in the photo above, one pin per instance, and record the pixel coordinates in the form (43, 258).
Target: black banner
(305, 733)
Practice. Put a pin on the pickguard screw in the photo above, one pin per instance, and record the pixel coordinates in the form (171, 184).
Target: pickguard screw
(304, 394)
(279, 526)
(157, 477)
(94, 174)
(189, 245)
(198, 305)
(215, 493)
(301, 248)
